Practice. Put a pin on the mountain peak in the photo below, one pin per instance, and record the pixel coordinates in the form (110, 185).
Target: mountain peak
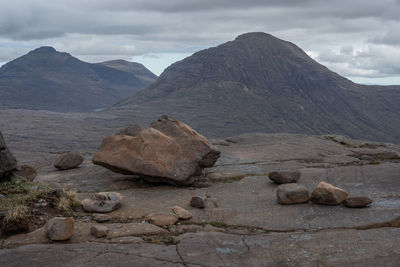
(44, 49)
(253, 35)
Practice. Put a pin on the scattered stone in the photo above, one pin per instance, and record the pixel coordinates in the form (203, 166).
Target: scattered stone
(68, 161)
(100, 218)
(284, 177)
(181, 212)
(169, 151)
(162, 219)
(131, 130)
(59, 228)
(99, 231)
(357, 202)
(328, 194)
(292, 194)
(26, 172)
(197, 202)
(8, 163)
(103, 202)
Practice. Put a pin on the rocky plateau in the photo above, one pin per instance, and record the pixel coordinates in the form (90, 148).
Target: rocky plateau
(241, 224)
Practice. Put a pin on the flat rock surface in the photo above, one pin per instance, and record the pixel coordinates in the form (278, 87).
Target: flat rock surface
(379, 247)
(240, 201)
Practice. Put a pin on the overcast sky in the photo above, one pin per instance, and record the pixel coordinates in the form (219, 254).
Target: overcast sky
(359, 39)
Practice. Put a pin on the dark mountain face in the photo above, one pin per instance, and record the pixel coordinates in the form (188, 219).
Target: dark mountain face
(137, 69)
(261, 83)
(50, 80)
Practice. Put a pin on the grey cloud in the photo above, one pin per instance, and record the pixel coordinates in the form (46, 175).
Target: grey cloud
(335, 31)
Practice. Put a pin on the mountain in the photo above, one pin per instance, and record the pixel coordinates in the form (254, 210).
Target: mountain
(261, 83)
(51, 80)
(137, 69)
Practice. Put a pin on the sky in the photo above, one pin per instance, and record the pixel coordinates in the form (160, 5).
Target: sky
(359, 39)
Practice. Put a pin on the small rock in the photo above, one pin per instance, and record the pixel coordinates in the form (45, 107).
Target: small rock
(284, 177)
(100, 218)
(328, 194)
(197, 202)
(103, 202)
(59, 228)
(357, 202)
(181, 212)
(68, 161)
(162, 219)
(27, 172)
(292, 194)
(2, 196)
(99, 230)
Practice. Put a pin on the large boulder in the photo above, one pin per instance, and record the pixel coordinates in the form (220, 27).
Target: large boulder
(68, 160)
(8, 163)
(168, 151)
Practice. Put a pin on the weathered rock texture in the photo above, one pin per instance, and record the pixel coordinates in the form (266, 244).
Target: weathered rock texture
(169, 151)
(8, 163)
(328, 194)
(68, 160)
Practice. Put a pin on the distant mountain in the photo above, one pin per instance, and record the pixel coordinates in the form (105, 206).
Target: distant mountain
(51, 80)
(137, 69)
(261, 83)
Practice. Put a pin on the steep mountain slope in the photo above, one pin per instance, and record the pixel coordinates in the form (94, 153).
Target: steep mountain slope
(261, 83)
(50, 80)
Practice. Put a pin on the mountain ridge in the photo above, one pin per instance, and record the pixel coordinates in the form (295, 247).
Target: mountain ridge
(47, 79)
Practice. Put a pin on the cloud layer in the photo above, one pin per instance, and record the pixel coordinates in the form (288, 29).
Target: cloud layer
(356, 38)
